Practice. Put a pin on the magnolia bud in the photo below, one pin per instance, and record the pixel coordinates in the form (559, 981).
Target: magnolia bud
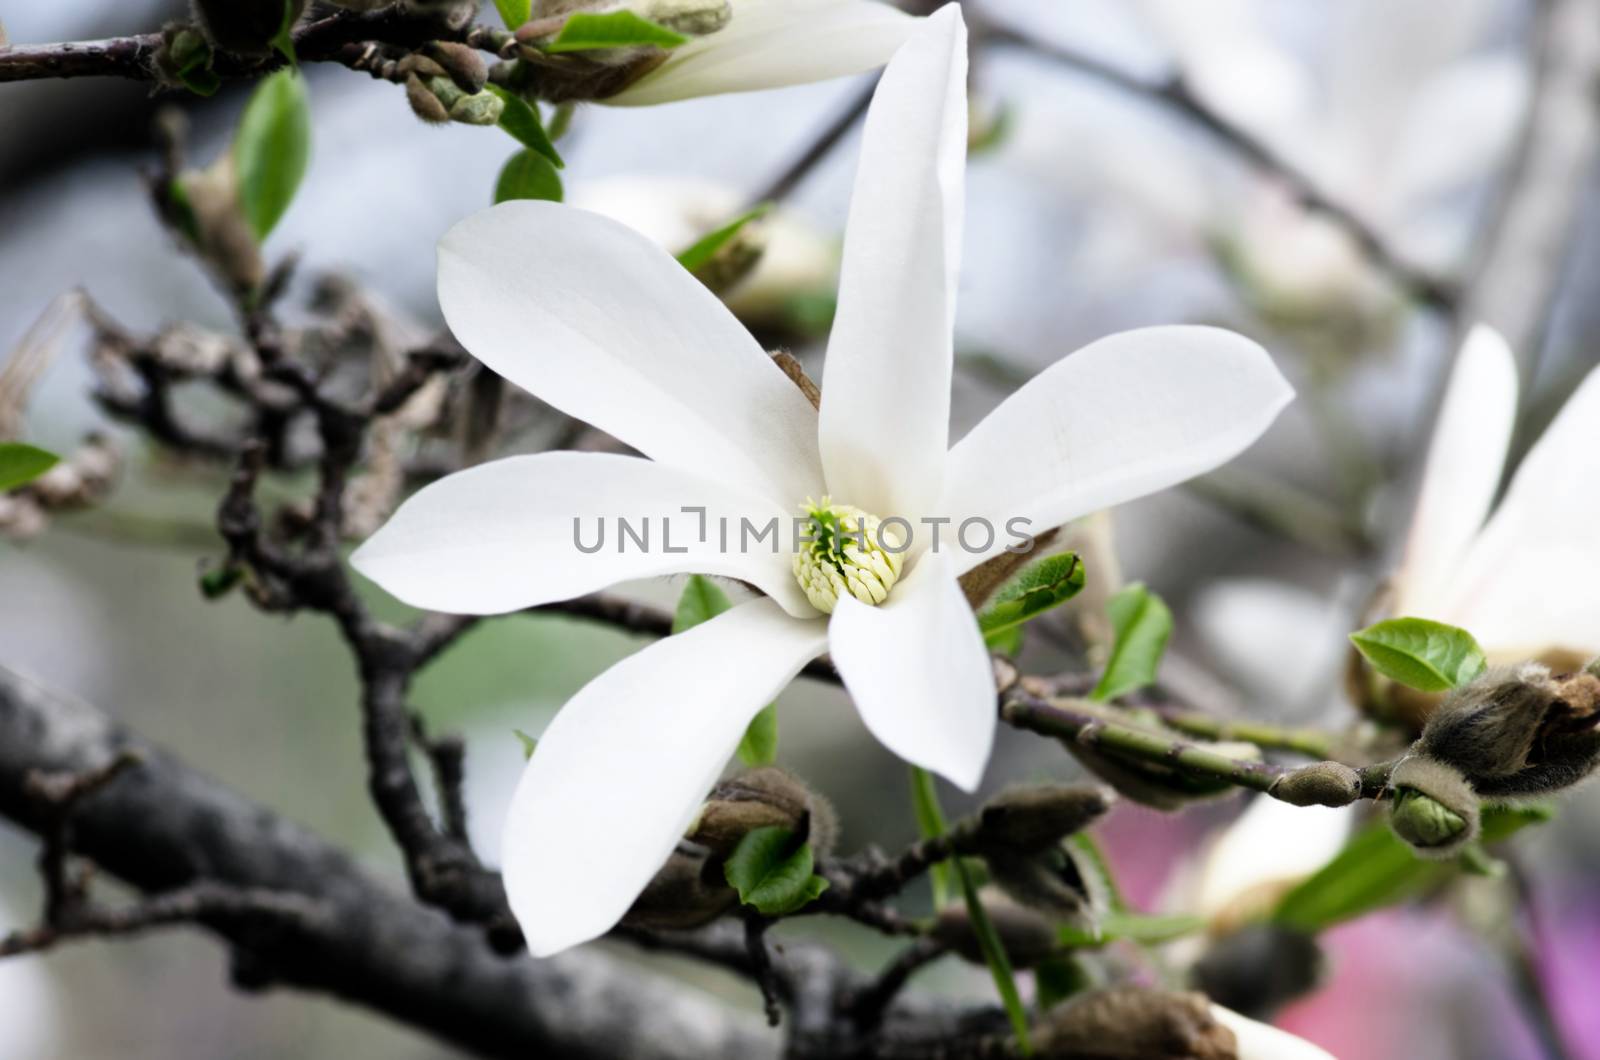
(1133, 1023)
(482, 108)
(207, 212)
(425, 104)
(761, 798)
(735, 259)
(1055, 881)
(1150, 783)
(1259, 968)
(1518, 731)
(1434, 808)
(245, 26)
(463, 64)
(1032, 818)
(690, 890)
(1028, 938)
(1318, 784)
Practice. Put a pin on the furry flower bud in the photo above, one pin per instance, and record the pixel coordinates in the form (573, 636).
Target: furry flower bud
(689, 891)
(1031, 818)
(463, 65)
(847, 552)
(1519, 730)
(1055, 881)
(1318, 784)
(1434, 808)
(1133, 1023)
(760, 798)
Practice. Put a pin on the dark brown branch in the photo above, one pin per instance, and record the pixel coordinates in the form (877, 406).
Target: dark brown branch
(819, 148)
(165, 827)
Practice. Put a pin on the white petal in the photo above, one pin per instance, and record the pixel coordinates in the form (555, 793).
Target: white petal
(623, 768)
(1125, 416)
(1532, 579)
(501, 536)
(772, 43)
(1459, 481)
(595, 319)
(885, 421)
(919, 673)
(1261, 1041)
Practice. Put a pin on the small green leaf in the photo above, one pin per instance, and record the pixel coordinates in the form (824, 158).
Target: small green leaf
(514, 12)
(706, 247)
(1142, 625)
(529, 744)
(1144, 928)
(759, 745)
(772, 872)
(1377, 869)
(930, 824)
(617, 29)
(528, 175)
(703, 599)
(21, 463)
(1426, 655)
(521, 119)
(271, 148)
(994, 954)
(1004, 641)
(1037, 588)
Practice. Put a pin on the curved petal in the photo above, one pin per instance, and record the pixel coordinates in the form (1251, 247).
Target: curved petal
(1462, 474)
(592, 317)
(1531, 581)
(773, 43)
(1125, 416)
(621, 771)
(531, 530)
(885, 421)
(1262, 1041)
(919, 673)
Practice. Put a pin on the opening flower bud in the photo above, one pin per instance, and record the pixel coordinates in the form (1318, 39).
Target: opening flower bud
(1434, 808)
(846, 552)
(762, 798)
(1519, 730)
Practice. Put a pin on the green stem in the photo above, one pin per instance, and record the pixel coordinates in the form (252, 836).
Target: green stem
(1308, 742)
(930, 817)
(931, 823)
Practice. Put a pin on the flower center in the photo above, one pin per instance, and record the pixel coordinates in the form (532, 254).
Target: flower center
(846, 551)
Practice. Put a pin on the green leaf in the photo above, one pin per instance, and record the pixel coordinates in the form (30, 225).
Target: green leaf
(703, 599)
(21, 463)
(930, 824)
(706, 247)
(529, 744)
(759, 745)
(1377, 869)
(271, 149)
(521, 119)
(514, 12)
(1142, 625)
(772, 872)
(1144, 928)
(1037, 588)
(528, 175)
(1429, 656)
(1005, 641)
(1100, 865)
(585, 31)
(994, 954)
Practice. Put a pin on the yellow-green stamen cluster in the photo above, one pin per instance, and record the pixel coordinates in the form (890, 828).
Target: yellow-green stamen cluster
(845, 555)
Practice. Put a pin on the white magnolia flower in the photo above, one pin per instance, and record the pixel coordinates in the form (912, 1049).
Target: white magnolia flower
(1261, 1041)
(1524, 577)
(601, 323)
(675, 212)
(773, 43)
(1405, 112)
